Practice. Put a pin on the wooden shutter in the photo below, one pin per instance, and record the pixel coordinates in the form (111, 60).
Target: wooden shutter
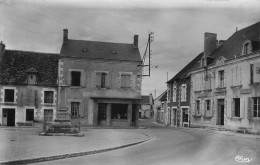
(250, 109)
(107, 77)
(239, 73)
(230, 108)
(68, 78)
(127, 81)
(123, 80)
(98, 80)
(251, 73)
(83, 79)
(242, 108)
(256, 75)
(93, 79)
(81, 110)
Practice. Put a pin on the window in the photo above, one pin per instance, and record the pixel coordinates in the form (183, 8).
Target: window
(246, 48)
(221, 78)
(32, 79)
(168, 94)
(208, 105)
(74, 109)
(48, 115)
(125, 81)
(236, 76)
(256, 106)
(183, 92)
(198, 106)
(174, 94)
(9, 95)
(48, 96)
(119, 111)
(29, 114)
(101, 80)
(251, 73)
(75, 78)
(237, 107)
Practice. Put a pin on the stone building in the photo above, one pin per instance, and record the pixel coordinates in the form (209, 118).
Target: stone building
(225, 83)
(146, 110)
(178, 96)
(100, 82)
(159, 108)
(28, 87)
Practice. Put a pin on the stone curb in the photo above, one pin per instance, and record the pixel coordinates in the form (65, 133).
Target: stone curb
(64, 156)
(226, 134)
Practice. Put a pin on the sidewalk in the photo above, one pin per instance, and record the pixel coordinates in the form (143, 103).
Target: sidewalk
(221, 132)
(26, 144)
(215, 131)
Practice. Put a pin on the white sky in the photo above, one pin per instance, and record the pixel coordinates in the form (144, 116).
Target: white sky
(178, 26)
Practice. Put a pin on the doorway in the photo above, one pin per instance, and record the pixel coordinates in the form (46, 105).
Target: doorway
(185, 116)
(8, 117)
(102, 114)
(29, 114)
(221, 107)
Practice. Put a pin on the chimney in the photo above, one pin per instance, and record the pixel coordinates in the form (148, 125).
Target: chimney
(2, 50)
(210, 43)
(65, 35)
(135, 41)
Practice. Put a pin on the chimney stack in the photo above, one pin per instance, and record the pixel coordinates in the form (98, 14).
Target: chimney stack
(2, 50)
(135, 41)
(65, 35)
(210, 43)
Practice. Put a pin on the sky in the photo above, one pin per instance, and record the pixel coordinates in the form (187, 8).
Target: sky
(178, 26)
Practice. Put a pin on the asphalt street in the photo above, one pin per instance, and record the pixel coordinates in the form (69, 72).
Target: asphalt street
(177, 146)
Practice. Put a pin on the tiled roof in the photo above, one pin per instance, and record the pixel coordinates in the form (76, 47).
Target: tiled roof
(164, 97)
(100, 50)
(233, 45)
(187, 68)
(16, 65)
(145, 100)
(160, 96)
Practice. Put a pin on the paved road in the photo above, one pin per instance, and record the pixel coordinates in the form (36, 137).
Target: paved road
(176, 146)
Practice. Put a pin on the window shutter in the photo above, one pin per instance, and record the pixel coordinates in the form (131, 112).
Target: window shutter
(211, 107)
(128, 81)
(242, 108)
(192, 108)
(98, 80)
(239, 73)
(249, 108)
(81, 110)
(68, 78)
(256, 75)
(83, 79)
(251, 73)
(231, 112)
(107, 80)
(93, 79)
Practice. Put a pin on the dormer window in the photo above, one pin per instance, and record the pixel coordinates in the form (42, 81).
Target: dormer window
(31, 76)
(247, 47)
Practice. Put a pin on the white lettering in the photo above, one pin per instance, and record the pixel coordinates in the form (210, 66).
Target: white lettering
(241, 159)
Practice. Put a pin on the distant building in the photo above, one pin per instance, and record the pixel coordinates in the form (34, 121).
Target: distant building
(225, 83)
(178, 96)
(28, 87)
(159, 108)
(146, 110)
(100, 82)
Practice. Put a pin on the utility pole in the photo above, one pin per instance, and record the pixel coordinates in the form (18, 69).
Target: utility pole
(148, 46)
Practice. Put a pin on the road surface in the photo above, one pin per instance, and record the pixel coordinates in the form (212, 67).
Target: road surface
(177, 146)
